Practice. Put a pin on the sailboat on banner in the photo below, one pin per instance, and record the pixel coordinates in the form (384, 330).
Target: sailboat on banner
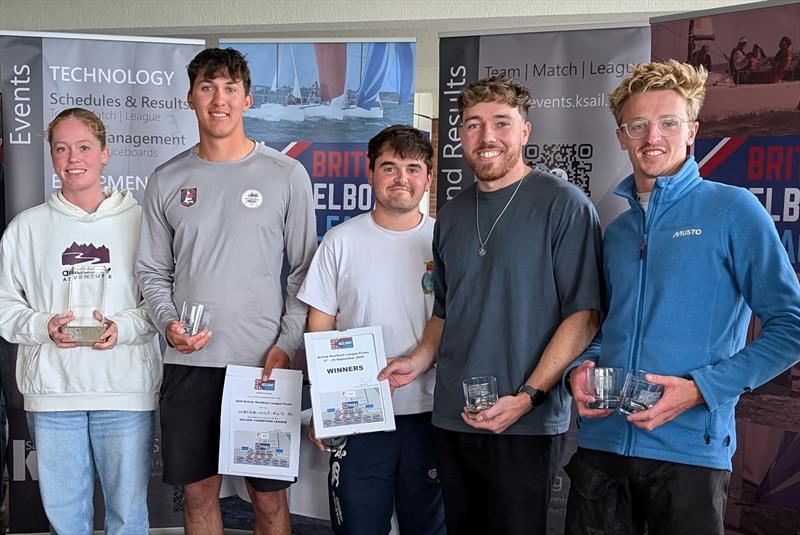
(288, 107)
(388, 65)
(293, 106)
(366, 102)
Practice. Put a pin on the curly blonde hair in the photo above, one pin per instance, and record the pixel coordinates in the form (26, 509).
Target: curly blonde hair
(687, 81)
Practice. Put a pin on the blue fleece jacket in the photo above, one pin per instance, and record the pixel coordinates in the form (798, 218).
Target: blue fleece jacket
(681, 282)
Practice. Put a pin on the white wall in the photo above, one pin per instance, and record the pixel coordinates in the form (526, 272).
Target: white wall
(420, 19)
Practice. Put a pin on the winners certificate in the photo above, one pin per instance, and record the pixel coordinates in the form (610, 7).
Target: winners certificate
(346, 396)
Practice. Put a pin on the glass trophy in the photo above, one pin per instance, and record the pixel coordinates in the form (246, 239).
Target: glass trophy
(87, 292)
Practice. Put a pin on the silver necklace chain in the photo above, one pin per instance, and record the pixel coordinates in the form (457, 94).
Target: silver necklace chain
(482, 248)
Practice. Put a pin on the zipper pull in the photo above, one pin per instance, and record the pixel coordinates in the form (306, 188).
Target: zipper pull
(643, 246)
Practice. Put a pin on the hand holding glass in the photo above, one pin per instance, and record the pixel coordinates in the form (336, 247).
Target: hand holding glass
(480, 393)
(605, 386)
(639, 394)
(194, 318)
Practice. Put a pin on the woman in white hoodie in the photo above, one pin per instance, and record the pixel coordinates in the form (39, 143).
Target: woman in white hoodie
(90, 409)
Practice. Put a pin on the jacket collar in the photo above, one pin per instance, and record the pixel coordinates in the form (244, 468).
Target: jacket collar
(671, 188)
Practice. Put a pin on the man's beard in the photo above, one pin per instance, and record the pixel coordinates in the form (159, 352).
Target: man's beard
(491, 171)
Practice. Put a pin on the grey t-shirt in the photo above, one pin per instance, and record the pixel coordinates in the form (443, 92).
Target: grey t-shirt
(218, 233)
(542, 264)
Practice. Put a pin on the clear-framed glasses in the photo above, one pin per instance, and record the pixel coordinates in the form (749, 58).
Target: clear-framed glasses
(667, 126)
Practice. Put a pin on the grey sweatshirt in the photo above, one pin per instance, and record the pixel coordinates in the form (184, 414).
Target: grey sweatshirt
(218, 233)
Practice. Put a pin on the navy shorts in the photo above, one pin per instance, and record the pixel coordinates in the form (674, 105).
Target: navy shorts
(376, 473)
(190, 404)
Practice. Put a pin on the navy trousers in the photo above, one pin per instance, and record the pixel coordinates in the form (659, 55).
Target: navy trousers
(377, 473)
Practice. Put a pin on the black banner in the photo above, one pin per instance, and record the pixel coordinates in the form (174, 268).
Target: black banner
(458, 66)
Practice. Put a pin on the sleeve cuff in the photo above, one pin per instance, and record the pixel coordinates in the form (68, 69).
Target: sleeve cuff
(42, 319)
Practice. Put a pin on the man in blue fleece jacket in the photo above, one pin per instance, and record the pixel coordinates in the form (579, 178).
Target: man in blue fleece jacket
(684, 266)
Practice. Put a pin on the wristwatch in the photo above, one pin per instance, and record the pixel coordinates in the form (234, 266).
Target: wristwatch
(537, 396)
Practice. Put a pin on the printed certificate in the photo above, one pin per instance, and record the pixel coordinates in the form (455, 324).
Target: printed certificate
(260, 423)
(346, 396)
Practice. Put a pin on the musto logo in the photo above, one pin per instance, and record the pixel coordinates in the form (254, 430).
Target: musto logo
(687, 232)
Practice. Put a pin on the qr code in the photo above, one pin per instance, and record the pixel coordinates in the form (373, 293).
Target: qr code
(572, 162)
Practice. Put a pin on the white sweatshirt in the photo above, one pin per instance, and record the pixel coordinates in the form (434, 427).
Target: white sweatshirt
(38, 252)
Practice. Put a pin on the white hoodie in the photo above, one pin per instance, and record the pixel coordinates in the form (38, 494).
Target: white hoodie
(37, 254)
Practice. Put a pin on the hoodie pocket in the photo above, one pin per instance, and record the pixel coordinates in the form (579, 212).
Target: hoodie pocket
(29, 381)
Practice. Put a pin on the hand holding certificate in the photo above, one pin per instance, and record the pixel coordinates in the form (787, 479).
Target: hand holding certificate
(346, 396)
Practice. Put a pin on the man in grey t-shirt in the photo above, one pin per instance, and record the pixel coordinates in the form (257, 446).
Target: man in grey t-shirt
(517, 296)
(218, 222)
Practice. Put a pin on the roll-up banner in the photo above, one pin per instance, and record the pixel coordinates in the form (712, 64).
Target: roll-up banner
(138, 87)
(570, 74)
(321, 102)
(750, 137)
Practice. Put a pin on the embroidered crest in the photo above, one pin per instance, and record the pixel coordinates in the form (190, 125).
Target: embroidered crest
(252, 198)
(427, 278)
(188, 197)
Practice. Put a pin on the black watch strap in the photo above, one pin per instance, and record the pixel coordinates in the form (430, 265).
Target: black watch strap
(537, 396)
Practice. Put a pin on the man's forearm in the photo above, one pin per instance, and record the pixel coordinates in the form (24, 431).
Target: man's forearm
(319, 321)
(568, 342)
(424, 354)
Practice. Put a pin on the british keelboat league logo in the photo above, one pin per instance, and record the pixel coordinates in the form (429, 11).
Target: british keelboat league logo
(252, 198)
(261, 385)
(427, 278)
(341, 343)
(188, 197)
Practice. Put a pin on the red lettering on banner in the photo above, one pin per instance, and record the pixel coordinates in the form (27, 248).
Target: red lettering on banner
(318, 163)
(339, 164)
(335, 164)
(773, 163)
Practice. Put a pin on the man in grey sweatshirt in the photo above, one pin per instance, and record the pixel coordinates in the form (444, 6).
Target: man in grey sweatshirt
(219, 222)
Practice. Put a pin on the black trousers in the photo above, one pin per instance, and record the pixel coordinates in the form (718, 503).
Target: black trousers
(497, 483)
(611, 494)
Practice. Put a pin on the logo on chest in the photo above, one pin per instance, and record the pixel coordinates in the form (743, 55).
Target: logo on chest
(427, 278)
(85, 253)
(188, 197)
(685, 233)
(252, 198)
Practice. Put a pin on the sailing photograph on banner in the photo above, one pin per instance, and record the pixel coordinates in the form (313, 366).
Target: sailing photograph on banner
(753, 85)
(328, 91)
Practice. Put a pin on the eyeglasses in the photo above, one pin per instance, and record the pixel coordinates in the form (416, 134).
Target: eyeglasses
(667, 126)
